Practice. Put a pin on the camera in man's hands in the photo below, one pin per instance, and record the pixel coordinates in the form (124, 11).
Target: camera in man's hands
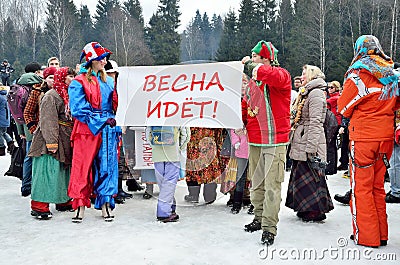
(316, 163)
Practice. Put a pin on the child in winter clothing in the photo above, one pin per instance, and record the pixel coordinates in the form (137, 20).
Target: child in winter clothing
(167, 167)
(239, 142)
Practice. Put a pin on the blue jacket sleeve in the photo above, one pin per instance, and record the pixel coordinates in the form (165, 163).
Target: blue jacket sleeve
(82, 110)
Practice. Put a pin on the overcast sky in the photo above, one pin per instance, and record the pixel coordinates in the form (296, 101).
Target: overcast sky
(187, 8)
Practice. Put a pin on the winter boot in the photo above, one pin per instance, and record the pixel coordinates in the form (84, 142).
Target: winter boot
(79, 215)
(345, 199)
(41, 215)
(237, 206)
(106, 212)
(246, 197)
(229, 203)
(121, 192)
(133, 185)
(267, 238)
(10, 147)
(391, 199)
(251, 209)
(237, 202)
(172, 218)
(255, 225)
(194, 192)
(148, 194)
(2, 151)
(210, 192)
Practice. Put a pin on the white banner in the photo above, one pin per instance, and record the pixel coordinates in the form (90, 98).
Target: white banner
(143, 153)
(195, 95)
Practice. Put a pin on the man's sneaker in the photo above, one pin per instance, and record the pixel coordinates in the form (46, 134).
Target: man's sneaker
(267, 238)
(255, 225)
(345, 199)
(391, 199)
(41, 215)
(172, 218)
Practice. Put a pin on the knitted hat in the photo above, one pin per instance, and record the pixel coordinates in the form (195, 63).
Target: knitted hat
(29, 79)
(267, 50)
(94, 51)
(49, 71)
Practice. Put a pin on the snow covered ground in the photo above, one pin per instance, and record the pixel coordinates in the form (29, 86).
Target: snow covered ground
(205, 234)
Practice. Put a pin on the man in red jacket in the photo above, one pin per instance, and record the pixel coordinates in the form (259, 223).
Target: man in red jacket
(266, 115)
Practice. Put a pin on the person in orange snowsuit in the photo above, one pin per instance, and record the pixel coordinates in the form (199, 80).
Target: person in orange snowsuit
(369, 99)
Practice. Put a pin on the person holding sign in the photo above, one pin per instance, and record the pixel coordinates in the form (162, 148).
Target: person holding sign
(94, 136)
(266, 115)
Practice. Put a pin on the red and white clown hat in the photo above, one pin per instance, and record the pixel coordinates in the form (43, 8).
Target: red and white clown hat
(94, 51)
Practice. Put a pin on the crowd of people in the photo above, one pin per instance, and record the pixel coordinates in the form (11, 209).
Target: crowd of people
(77, 156)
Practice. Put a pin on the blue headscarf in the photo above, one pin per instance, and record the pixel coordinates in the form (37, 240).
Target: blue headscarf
(370, 56)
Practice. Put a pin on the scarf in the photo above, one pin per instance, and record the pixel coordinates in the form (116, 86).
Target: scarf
(370, 56)
(61, 87)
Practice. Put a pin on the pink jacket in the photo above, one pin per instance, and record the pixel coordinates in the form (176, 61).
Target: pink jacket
(243, 150)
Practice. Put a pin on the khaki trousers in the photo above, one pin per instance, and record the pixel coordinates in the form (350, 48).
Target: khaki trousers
(267, 172)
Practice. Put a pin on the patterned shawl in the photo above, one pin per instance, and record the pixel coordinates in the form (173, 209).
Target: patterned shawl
(370, 56)
(61, 87)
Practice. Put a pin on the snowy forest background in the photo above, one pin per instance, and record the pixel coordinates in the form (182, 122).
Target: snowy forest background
(318, 32)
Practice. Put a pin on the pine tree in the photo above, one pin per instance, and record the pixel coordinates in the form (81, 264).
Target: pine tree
(192, 40)
(228, 46)
(250, 26)
(283, 24)
(61, 27)
(163, 39)
(9, 34)
(217, 28)
(134, 9)
(205, 28)
(104, 8)
(86, 25)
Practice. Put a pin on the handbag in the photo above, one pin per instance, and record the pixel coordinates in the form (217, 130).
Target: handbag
(17, 161)
(229, 181)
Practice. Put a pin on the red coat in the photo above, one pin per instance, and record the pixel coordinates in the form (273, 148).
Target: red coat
(332, 106)
(271, 96)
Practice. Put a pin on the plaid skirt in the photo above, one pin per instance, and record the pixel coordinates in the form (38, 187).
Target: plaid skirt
(307, 192)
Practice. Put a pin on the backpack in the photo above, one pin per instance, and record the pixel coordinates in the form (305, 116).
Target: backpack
(17, 98)
(330, 126)
(162, 135)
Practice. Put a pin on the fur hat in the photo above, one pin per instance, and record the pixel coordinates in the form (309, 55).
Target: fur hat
(266, 50)
(29, 79)
(49, 71)
(94, 51)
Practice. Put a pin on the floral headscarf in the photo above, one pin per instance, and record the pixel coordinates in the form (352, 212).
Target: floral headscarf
(61, 87)
(370, 56)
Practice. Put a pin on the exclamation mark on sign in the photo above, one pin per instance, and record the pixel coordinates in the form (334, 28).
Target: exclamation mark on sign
(215, 109)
